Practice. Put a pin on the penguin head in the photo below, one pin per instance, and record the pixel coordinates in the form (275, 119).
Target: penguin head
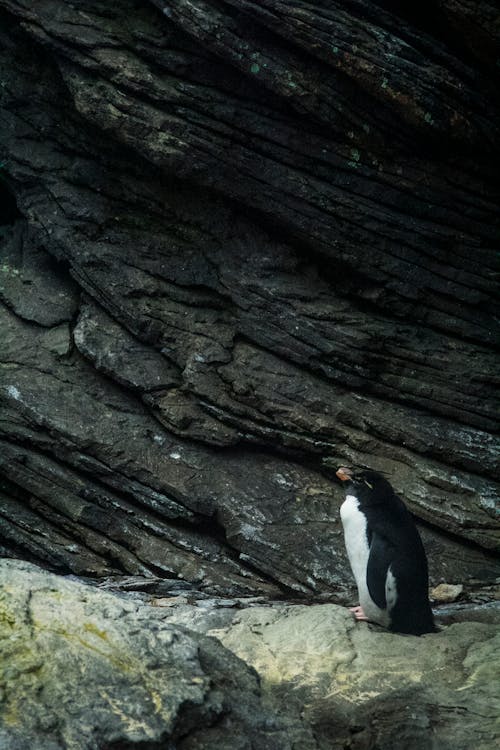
(368, 485)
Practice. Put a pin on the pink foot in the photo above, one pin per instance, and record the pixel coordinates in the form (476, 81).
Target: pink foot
(358, 613)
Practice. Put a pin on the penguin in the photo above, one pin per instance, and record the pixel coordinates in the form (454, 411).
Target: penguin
(386, 554)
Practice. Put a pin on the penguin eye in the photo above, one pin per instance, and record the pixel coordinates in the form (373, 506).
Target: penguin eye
(368, 484)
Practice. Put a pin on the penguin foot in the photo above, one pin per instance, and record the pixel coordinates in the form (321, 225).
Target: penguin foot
(358, 613)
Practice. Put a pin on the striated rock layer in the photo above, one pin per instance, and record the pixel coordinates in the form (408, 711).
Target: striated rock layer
(244, 243)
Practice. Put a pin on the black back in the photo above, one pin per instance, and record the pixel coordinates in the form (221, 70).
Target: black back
(394, 542)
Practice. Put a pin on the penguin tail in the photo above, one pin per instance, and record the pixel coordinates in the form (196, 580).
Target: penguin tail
(414, 623)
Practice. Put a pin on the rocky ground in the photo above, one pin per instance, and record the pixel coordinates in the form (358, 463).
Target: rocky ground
(83, 668)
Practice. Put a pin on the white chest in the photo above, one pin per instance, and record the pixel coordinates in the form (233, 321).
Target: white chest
(358, 551)
(356, 542)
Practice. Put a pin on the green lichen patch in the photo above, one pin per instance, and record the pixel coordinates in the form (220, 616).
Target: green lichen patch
(68, 652)
(9, 270)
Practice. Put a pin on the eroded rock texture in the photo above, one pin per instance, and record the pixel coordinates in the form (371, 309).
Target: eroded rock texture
(89, 670)
(243, 243)
(85, 669)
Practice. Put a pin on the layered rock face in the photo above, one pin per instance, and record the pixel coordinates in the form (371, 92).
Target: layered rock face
(244, 243)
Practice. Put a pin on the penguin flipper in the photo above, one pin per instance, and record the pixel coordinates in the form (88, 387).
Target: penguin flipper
(380, 558)
(412, 611)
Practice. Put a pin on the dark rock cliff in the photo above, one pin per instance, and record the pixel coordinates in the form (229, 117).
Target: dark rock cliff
(242, 243)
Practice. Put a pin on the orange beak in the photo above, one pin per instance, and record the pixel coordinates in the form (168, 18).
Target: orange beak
(344, 474)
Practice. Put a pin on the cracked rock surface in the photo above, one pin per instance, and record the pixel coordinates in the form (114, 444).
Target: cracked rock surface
(83, 668)
(363, 688)
(242, 244)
